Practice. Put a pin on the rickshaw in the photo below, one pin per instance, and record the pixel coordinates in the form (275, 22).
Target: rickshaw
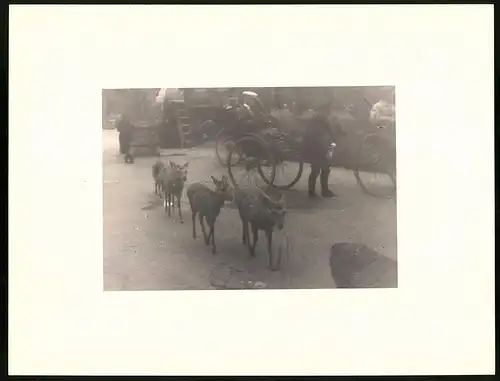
(376, 163)
(269, 153)
(245, 114)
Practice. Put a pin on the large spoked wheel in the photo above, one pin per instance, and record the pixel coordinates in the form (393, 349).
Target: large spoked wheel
(223, 144)
(254, 159)
(287, 175)
(376, 168)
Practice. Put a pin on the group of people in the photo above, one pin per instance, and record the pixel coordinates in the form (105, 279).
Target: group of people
(318, 137)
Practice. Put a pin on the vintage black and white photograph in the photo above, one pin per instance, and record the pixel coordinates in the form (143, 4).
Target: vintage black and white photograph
(267, 211)
(249, 188)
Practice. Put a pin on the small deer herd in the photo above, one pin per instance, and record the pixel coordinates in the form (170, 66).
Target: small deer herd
(257, 210)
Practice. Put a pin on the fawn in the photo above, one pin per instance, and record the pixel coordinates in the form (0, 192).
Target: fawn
(156, 170)
(259, 211)
(172, 179)
(207, 204)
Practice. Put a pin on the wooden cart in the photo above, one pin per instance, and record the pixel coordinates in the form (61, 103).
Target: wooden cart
(146, 139)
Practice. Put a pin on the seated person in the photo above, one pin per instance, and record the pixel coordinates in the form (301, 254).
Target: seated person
(256, 106)
(382, 114)
(253, 112)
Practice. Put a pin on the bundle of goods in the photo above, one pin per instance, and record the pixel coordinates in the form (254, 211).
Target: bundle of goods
(382, 113)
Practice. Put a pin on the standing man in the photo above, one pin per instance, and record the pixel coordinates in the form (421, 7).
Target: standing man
(318, 137)
(125, 129)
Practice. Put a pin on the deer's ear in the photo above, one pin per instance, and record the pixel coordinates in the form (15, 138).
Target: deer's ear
(214, 180)
(186, 165)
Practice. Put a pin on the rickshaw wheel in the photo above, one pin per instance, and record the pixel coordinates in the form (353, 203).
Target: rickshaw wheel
(280, 168)
(222, 139)
(255, 156)
(376, 159)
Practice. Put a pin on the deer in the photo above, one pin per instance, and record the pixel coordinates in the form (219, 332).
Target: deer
(260, 212)
(172, 178)
(158, 166)
(207, 203)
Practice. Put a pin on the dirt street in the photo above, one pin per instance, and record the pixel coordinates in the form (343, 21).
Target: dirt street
(144, 249)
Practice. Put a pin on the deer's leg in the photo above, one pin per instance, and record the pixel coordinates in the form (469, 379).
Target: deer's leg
(194, 224)
(212, 235)
(269, 236)
(165, 200)
(209, 222)
(203, 229)
(247, 236)
(169, 202)
(255, 232)
(244, 236)
(179, 207)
